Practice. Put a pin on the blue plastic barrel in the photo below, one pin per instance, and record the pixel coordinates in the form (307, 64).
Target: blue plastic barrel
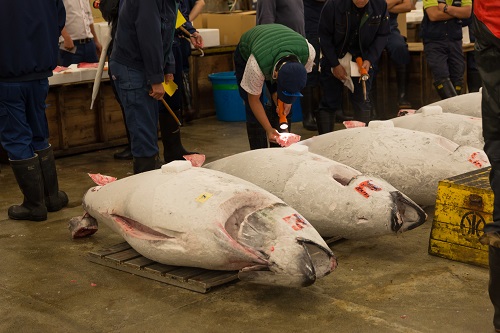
(228, 104)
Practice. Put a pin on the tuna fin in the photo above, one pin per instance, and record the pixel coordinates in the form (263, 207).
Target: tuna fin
(101, 180)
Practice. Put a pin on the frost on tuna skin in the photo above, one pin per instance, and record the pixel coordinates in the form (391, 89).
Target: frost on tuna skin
(334, 198)
(412, 161)
(195, 217)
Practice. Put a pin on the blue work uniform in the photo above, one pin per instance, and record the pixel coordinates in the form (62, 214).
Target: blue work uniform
(362, 32)
(24, 71)
(443, 45)
(141, 51)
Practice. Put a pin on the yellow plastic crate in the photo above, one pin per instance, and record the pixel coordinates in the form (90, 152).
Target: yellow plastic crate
(464, 204)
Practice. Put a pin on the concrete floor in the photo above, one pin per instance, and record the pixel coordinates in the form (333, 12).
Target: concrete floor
(387, 284)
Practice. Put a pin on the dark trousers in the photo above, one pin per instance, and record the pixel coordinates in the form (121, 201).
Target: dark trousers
(84, 53)
(445, 59)
(23, 124)
(397, 48)
(487, 48)
(333, 89)
(141, 110)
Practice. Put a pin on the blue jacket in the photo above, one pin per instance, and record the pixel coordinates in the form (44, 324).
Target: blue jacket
(144, 36)
(29, 35)
(334, 25)
(312, 12)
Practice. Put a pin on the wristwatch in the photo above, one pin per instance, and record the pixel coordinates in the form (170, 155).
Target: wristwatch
(445, 8)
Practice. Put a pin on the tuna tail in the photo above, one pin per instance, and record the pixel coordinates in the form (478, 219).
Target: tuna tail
(406, 215)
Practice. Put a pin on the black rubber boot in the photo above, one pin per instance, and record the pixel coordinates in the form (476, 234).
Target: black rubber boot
(189, 113)
(458, 86)
(325, 120)
(55, 200)
(445, 88)
(126, 154)
(29, 178)
(143, 164)
(308, 120)
(402, 78)
(494, 285)
(171, 138)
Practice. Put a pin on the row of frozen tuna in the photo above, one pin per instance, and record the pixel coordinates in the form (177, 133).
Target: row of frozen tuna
(236, 213)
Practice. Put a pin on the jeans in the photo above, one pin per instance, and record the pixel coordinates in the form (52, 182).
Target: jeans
(23, 124)
(141, 110)
(84, 53)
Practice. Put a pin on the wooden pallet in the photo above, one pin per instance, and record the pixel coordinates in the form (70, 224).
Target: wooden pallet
(124, 258)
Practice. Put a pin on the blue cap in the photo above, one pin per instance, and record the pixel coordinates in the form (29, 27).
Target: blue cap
(292, 78)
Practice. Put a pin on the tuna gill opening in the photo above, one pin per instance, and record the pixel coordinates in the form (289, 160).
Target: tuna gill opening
(138, 230)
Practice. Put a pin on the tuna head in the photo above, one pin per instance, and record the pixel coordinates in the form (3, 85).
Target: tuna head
(290, 261)
(380, 209)
(197, 217)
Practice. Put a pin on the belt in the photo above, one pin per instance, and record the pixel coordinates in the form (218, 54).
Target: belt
(82, 41)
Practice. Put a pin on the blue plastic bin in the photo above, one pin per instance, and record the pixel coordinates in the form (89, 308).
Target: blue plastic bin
(228, 104)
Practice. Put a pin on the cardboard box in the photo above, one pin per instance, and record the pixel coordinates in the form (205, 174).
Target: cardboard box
(231, 26)
(200, 22)
(464, 204)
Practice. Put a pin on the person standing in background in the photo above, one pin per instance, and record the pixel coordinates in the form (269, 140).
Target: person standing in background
(397, 49)
(290, 13)
(170, 129)
(29, 32)
(473, 77)
(441, 32)
(348, 30)
(78, 38)
(109, 11)
(142, 50)
(194, 8)
(487, 46)
(312, 91)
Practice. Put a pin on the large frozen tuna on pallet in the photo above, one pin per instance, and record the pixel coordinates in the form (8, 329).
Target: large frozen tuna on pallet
(412, 161)
(466, 104)
(336, 199)
(186, 216)
(461, 129)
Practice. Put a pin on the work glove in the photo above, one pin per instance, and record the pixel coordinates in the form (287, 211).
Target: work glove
(457, 3)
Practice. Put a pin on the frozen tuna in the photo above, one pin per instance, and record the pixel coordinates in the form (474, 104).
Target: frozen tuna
(335, 198)
(461, 129)
(412, 161)
(466, 104)
(186, 216)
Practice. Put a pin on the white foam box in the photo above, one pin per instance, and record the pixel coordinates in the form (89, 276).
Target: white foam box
(210, 37)
(67, 76)
(87, 74)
